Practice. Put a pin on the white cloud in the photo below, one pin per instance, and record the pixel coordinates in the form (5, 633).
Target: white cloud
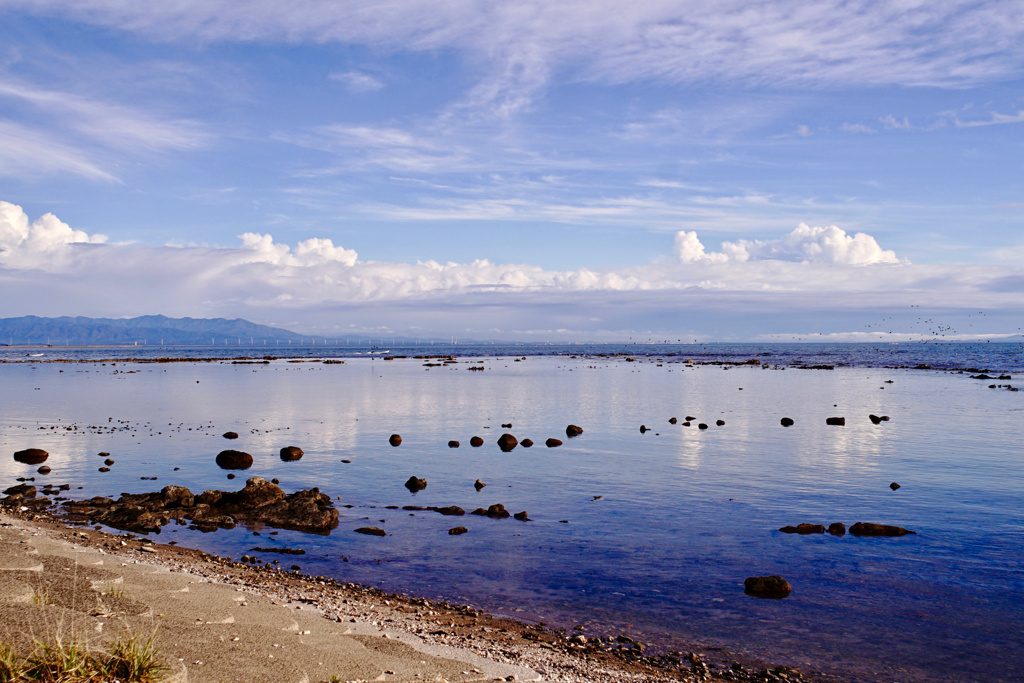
(357, 81)
(995, 119)
(893, 123)
(856, 128)
(28, 152)
(43, 243)
(806, 244)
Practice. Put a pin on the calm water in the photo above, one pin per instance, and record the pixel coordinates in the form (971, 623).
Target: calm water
(683, 515)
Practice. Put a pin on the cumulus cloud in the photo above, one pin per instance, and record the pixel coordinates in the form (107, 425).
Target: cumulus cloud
(805, 244)
(44, 242)
(49, 268)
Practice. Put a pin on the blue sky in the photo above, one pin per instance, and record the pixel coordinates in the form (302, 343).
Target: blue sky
(531, 170)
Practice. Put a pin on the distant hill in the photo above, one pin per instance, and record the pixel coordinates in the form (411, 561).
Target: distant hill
(147, 329)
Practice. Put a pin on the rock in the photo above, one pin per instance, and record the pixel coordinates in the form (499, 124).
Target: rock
(476, 442)
(573, 430)
(522, 516)
(231, 475)
(395, 440)
(414, 484)
(837, 529)
(894, 486)
(45, 469)
(104, 469)
(774, 587)
(552, 443)
(835, 421)
(371, 531)
(453, 444)
(526, 443)
(672, 420)
(720, 423)
(690, 418)
(702, 426)
(803, 529)
(871, 529)
(177, 496)
(786, 422)
(457, 531)
(875, 419)
(24, 490)
(230, 435)
(506, 425)
(496, 511)
(32, 456)
(479, 485)
(291, 453)
(108, 461)
(643, 429)
(258, 493)
(506, 442)
(449, 511)
(234, 460)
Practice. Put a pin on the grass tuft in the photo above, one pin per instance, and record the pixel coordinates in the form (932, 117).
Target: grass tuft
(129, 659)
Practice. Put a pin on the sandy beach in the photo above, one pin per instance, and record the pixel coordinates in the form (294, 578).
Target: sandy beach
(218, 620)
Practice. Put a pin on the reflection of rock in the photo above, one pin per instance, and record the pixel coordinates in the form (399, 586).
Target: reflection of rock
(774, 587)
(32, 456)
(506, 442)
(414, 484)
(234, 460)
(803, 529)
(573, 430)
(871, 529)
(291, 453)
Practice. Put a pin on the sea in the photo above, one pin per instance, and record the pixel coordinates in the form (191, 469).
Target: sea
(641, 525)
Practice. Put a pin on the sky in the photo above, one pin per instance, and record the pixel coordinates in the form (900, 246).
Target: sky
(525, 170)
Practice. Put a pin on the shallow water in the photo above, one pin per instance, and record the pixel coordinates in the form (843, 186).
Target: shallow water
(684, 515)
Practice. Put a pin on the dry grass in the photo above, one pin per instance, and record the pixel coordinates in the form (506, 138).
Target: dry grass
(129, 659)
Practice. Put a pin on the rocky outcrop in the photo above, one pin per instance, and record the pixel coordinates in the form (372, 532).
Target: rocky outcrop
(260, 503)
(773, 587)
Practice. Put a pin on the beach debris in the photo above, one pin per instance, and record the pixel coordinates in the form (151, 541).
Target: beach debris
(837, 529)
(804, 529)
(476, 442)
(871, 529)
(786, 422)
(415, 484)
(457, 531)
(230, 435)
(552, 443)
(894, 486)
(234, 460)
(453, 444)
(259, 502)
(371, 531)
(573, 430)
(32, 456)
(506, 442)
(478, 484)
(526, 443)
(291, 453)
(395, 440)
(773, 587)
(835, 421)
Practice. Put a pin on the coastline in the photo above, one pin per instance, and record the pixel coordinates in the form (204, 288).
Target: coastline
(400, 638)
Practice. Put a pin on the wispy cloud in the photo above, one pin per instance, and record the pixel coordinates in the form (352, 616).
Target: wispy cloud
(856, 128)
(995, 119)
(29, 152)
(357, 81)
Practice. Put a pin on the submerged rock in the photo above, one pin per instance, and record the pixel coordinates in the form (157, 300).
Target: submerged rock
(871, 529)
(804, 529)
(234, 460)
(773, 587)
(291, 453)
(415, 484)
(506, 442)
(31, 456)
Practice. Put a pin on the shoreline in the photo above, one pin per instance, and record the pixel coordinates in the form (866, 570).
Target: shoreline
(500, 648)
